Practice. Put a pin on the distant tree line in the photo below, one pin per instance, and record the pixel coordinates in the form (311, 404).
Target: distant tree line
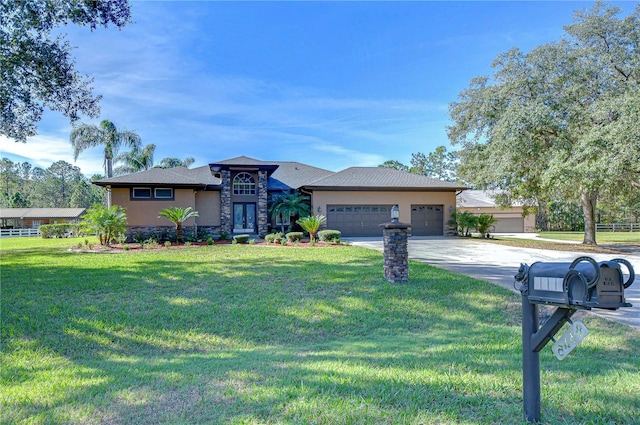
(62, 185)
(558, 213)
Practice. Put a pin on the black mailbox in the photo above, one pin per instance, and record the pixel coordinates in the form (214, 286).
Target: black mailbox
(584, 283)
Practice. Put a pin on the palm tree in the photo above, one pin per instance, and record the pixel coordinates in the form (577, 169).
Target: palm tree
(176, 162)
(286, 205)
(177, 216)
(138, 159)
(86, 136)
(484, 223)
(312, 225)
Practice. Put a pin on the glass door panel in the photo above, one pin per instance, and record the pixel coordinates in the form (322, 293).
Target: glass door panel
(250, 216)
(238, 216)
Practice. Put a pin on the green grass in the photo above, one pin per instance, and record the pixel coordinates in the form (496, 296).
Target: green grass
(601, 237)
(237, 334)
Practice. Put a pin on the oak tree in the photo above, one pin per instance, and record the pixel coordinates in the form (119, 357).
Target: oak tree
(561, 121)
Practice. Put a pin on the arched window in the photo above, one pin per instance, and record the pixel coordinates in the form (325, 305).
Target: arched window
(243, 184)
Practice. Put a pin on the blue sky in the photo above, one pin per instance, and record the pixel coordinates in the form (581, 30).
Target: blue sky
(330, 84)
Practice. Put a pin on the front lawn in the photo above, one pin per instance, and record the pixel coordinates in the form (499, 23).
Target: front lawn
(240, 334)
(601, 237)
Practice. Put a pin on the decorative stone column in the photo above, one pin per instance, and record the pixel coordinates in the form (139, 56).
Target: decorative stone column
(263, 216)
(396, 253)
(225, 202)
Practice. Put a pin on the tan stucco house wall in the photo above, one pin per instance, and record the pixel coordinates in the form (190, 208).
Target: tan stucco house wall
(404, 200)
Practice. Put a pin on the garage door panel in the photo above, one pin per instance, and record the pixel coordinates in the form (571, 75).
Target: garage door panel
(357, 220)
(508, 225)
(427, 220)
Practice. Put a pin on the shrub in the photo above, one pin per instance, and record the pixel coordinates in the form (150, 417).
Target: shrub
(106, 223)
(252, 242)
(125, 247)
(209, 240)
(48, 231)
(167, 244)
(283, 241)
(329, 235)
(273, 237)
(224, 236)
(241, 238)
(178, 215)
(312, 224)
(294, 236)
(484, 223)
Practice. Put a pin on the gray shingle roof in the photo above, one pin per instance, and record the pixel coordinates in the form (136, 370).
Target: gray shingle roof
(179, 176)
(21, 213)
(293, 175)
(381, 178)
(480, 199)
(245, 160)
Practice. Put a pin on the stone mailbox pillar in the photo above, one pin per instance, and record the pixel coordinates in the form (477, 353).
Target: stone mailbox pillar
(396, 254)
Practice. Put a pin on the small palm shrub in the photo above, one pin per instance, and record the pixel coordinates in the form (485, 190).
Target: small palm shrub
(107, 223)
(329, 235)
(177, 216)
(312, 224)
(484, 223)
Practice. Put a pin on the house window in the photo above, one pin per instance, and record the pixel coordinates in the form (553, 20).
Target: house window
(35, 224)
(141, 193)
(163, 193)
(243, 184)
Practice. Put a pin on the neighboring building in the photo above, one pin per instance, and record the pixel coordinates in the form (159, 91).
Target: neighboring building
(510, 220)
(231, 196)
(33, 218)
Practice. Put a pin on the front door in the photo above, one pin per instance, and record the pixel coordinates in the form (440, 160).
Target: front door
(244, 217)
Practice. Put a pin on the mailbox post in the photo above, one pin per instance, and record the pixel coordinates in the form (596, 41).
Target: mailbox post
(582, 284)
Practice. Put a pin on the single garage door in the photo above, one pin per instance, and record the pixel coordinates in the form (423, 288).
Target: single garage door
(358, 220)
(427, 220)
(508, 225)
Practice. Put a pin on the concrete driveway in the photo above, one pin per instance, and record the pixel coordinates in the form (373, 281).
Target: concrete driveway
(498, 264)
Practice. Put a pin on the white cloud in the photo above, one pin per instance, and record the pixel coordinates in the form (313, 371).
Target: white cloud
(43, 150)
(353, 157)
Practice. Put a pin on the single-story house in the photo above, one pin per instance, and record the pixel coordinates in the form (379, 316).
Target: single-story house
(231, 196)
(510, 220)
(33, 218)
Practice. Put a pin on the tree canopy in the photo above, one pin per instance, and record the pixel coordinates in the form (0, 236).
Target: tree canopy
(561, 121)
(86, 136)
(440, 164)
(37, 70)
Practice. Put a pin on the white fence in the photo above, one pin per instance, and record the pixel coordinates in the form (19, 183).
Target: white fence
(17, 233)
(618, 227)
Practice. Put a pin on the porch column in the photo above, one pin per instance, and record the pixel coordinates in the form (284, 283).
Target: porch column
(263, 215)
(225, 202)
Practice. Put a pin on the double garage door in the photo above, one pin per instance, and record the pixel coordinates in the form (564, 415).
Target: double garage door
(365, 220)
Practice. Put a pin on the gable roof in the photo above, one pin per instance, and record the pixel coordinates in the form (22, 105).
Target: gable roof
(22, 213)
(377, 178)
(293, 175)
(180, 176)
(284, 175)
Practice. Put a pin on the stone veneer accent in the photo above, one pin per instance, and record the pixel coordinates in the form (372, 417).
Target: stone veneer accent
(263, 216)
(225, 202)
(396, 253)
